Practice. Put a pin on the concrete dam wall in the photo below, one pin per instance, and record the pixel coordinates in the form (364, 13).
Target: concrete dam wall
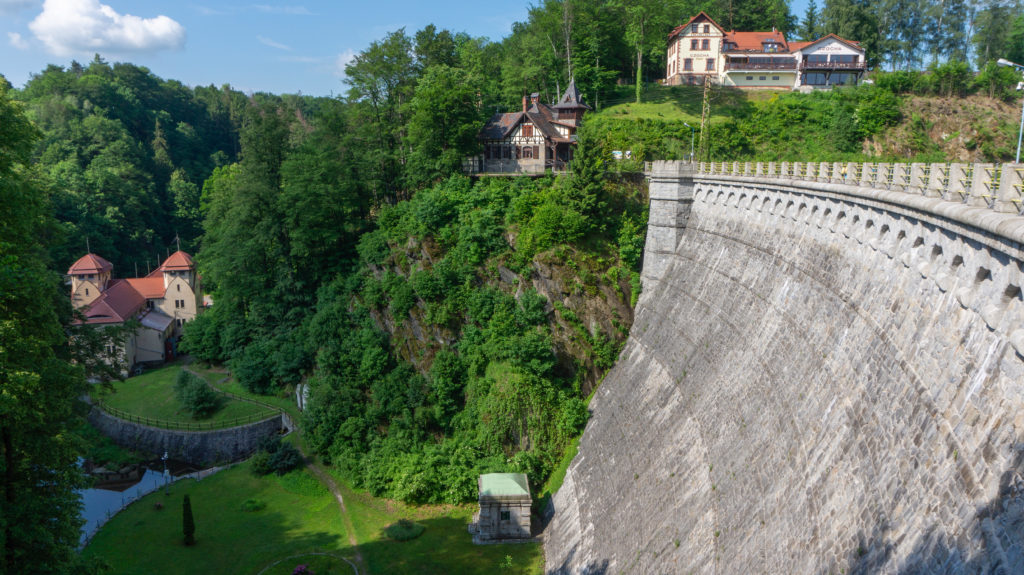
(824, 375)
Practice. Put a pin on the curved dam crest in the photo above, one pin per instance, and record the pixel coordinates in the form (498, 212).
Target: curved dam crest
(825, 374)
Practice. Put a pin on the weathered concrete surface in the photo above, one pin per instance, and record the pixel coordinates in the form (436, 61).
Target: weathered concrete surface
(820, 381)
(195, 447)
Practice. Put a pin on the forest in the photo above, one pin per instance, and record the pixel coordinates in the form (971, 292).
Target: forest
(445, 326)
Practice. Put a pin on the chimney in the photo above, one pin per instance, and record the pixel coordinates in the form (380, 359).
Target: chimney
(524, 103)
(534, 98)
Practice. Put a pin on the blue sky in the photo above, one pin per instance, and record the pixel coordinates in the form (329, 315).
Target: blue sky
(257, 45)
(283, 47)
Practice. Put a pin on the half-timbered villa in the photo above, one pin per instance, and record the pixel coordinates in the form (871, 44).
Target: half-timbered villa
(701, 48)
(533, 140)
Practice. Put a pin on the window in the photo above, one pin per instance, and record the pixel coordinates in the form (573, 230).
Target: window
(707, 28)
(694, 43)
(709, 65)
(506, 152)
(527, 152)
(750, 77)
(705, 44)
(694, 28)
(817, 58)
(86, 292)
(814, 79)
(844, 58)
(506, 515)
(762, 78)
(179, 287)
(687, 64)
(775, 77)
(527, 130)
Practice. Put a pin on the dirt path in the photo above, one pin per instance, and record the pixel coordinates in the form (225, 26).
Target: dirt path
(333, 487)
(320, 474)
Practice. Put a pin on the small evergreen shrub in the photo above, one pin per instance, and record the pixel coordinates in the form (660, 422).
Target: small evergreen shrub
(253, 505)
(199, 399)
(404, 530)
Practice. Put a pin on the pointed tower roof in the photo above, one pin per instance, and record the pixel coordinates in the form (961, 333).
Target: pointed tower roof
(90, 264)
(179, 261)
(571, 99)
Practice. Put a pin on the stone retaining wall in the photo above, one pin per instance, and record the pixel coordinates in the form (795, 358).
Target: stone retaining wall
(199, 448)
(821, 377)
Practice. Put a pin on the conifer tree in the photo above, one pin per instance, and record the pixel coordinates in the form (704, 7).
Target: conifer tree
(188, 524)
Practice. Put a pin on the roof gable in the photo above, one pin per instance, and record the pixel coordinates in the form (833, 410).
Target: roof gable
(699, 18)
(119, 302)
(852, 44)
(571, 99)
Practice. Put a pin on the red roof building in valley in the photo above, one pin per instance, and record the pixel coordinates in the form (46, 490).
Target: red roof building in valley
(701, 49)
(158, 304)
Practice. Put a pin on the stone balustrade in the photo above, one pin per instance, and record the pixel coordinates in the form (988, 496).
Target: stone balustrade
(997, 187)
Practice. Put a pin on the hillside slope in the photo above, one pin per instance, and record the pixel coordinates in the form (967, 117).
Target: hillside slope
(863, 124)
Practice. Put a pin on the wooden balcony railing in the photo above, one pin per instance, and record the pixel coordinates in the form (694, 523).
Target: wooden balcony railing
(832, 65)
(760, 65)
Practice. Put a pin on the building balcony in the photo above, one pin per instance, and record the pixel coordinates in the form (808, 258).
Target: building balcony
(833, 66)
(729, 66)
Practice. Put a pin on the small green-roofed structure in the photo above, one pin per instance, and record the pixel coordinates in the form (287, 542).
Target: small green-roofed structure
(504, 485)
(504, 508)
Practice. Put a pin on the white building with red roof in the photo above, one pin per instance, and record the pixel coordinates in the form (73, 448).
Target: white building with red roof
(161, 302)
(701, 48)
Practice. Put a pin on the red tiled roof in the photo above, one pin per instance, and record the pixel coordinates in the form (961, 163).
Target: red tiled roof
(119, 302)
(754, 41)
(678, 29)
(179, 261)
(90, 264)
(151, 287)
(794, 46)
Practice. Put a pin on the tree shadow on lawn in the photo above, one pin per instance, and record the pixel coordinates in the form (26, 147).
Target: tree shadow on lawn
(446, 547)
(228, 540)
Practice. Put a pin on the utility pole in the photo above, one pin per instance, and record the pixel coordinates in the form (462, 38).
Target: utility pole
(705, 118)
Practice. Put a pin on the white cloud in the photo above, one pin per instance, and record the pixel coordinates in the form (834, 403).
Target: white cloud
(343, 60)
(272, 44)
(69, 27)
(17, 41)
(15, 6)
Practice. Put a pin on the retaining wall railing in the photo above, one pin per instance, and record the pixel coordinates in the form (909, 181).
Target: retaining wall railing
(189, 425)
(993, 186)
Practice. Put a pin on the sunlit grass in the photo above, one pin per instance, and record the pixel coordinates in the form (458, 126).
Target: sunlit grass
(152, 395)
(300, 517)
(444, 547)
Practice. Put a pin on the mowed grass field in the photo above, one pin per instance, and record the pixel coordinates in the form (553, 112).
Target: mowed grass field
(446, 547)
(299, 524)
(299, 517)
(152, 395)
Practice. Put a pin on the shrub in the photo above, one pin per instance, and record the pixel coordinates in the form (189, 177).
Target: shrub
(253, 505)
(199, 399)
(404, 530)
(275, 456)
(188, 524)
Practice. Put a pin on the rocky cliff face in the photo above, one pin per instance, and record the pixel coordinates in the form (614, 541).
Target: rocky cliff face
(818, 383)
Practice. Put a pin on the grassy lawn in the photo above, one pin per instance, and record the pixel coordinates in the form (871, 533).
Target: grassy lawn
(299, 517)
(445, 546)
(152, 395)
(215, 375)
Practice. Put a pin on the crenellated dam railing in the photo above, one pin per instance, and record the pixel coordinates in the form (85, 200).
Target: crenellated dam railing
(999, 187)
